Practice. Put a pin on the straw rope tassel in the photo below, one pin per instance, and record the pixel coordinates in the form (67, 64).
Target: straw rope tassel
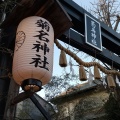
(110, 81)
(82, 74)
(62, 59)
(86, 64)
(96, 72)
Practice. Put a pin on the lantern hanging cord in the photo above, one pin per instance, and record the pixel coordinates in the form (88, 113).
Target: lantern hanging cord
(86, 64)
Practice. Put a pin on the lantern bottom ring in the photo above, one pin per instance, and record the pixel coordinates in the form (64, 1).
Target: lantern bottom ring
(31, 84)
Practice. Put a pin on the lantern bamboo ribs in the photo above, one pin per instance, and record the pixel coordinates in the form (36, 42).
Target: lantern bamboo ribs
(33, 54)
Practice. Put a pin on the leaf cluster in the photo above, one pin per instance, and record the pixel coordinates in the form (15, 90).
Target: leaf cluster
(59, 84)
(112, 108)
(107, 11)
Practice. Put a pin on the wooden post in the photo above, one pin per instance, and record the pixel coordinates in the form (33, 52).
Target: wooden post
(7, 41)
(5, 68)
(10, 110)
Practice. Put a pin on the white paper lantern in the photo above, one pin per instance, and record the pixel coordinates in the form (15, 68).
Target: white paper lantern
(33, 54)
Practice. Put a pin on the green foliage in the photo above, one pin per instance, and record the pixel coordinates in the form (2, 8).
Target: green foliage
(59, 84)
(112, 108)
(79, 112)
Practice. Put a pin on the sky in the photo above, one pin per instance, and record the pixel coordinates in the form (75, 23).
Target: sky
(84, 3)
(57, 70)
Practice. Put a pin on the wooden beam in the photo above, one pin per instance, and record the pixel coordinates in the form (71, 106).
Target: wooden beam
(58, 17)
(51, 10)
(9, 112)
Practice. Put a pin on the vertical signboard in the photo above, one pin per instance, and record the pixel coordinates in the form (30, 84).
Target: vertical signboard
(93, 33)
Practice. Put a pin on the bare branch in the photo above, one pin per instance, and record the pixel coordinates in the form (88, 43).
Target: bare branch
(106, 11)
